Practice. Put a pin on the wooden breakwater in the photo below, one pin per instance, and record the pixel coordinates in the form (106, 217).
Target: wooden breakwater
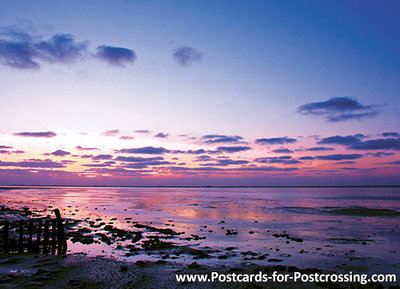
(36, 235)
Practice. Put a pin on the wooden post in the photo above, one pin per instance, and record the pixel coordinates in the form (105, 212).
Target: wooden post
(30, 236)
(53, 236)
(21, 237)
(38, 235)
(62, 241)
(6, 231)
(46, 236)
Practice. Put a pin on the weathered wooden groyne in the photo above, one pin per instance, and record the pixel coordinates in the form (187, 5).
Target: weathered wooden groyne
(36, 235)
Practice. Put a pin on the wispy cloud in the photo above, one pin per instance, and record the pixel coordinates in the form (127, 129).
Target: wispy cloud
(33, 163)
(138, 159)
(226, 162)
(144, 131)
(275, 141)
(43, 134)
(287, 160)
(233, 149)
(339, 109)
(145, 150)
(116, 56)
(333, 157)
(380, 154)
(219, 138)
(126, 137)
(355, 142)
(339, 157)
(391, 134)
(112, 132)
(186, 56)
(282, 151)
(60, 153)
(161, 135)
(319, 149)
(102, 157)
(86, 156)
(27, 53)
(86, 149)
(24, 50)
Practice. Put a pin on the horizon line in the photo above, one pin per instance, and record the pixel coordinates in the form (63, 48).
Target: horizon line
(3, 187)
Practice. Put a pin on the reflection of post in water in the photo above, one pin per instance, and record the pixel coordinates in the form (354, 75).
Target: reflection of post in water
(13, 240)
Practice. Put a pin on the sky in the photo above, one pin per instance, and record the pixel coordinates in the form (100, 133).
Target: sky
(233, 93)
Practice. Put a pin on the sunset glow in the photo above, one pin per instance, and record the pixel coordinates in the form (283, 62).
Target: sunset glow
(141, 99)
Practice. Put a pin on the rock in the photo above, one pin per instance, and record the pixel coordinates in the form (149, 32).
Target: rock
(194, 265)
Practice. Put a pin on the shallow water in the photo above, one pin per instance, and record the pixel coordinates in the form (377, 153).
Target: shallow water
(315, 233)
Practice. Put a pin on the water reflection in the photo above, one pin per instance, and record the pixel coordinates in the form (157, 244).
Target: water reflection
(259, 216)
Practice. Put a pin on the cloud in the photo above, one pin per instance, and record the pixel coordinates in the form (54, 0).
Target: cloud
(218, 138)
(195, 152)
(60, 48)
(142, 165)
(233, 149)
(186, 56)
(161, 135)
(380, 154)
(138, 159)
(102, 165)
(86, 149)
(275, 140)
(21, 50)
(339, 157)
(306, 158)
(126, 137)
(377, 144)
(342, 140)
(33, 163)
(142, 131)
(112, 132)
(60, 153)
(145, 150)
(116, 56)
(282, 151)
(44, 134)
(231, 162)
(267, 169)
(393, 134)
(203, 158)
(232, 170)
(10, 152)
(287, 160)
(355, 142)
(226, 162)
(68, 162)
(319, 149)
(339, 109)
(102, 157)
(86, 156)
(5, 147)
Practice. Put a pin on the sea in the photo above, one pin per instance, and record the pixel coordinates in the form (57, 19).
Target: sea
(333, 228)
